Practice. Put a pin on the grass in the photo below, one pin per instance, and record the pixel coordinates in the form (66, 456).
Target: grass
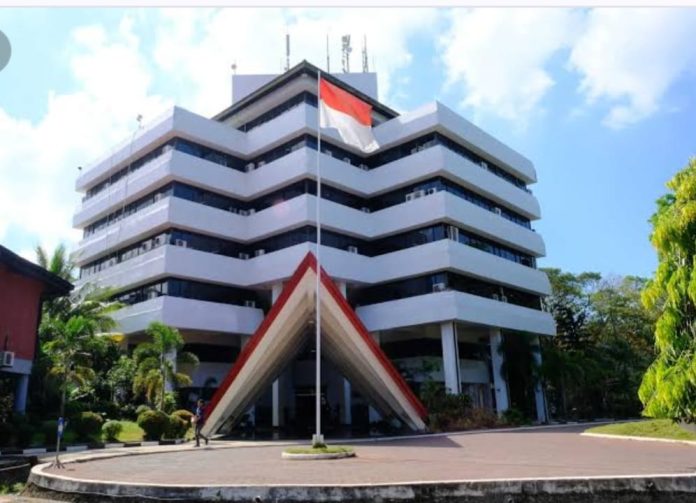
(15, 488)
(655, 428)
(327, 449)
(131, 432)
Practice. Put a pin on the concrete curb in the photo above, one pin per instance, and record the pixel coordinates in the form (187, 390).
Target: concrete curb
(668, 487)
(318, 456)
(88, 447)
(640, 439)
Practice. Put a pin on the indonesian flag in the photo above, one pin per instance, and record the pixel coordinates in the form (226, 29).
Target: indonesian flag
(351, 116)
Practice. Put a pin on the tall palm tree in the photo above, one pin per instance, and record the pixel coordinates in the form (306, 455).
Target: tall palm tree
(154, 367)
(69, 350)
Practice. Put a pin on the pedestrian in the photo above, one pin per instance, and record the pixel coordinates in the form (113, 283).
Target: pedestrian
(198, 421)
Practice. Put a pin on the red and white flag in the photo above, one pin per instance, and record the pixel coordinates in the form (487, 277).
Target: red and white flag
(350, 115)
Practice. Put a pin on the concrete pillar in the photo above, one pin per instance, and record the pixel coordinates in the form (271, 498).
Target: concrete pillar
(276, 290)
(347, 418)
(21, 390)
(450, 357)
(171, 357)
(251, 410)
(539, 397)
(502, 402)
(373, 414)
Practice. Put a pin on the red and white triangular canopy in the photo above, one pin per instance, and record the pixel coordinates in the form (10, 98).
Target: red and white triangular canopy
(345, 342)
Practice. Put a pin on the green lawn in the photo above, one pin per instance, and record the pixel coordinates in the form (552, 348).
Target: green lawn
(655, 428)
(131, 432)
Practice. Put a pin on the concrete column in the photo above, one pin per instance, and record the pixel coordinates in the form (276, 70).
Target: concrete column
(539, 397)
(251, 410)
(450, 357)
(276, 290)
(502, 403)
(343, 287)
(21, 390)
(347, 418)
(171, 357)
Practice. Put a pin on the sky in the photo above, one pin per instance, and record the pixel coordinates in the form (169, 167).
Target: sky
(601, 100)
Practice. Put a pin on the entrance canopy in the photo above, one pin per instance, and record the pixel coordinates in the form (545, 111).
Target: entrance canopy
(345, 342)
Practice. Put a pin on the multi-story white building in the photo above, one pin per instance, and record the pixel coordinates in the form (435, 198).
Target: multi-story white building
(198, 222)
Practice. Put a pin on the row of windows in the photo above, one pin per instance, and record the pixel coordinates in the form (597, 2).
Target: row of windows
(208, 198)
(239, 164)
(418, 348)
(187, 289)
(439, 282)
(394, 153)
(304, 235)
(370, 295)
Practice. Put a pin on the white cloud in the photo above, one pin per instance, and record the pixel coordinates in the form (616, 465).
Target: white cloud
(197, 47)
(38, 161)
(498, 57)
(631, 57)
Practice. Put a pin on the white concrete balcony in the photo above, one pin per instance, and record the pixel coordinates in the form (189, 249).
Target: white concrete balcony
(437, 117)
(189, 314)
(458, 306)
(457, 257)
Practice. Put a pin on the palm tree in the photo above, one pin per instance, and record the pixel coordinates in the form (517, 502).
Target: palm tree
(69, 351)
(154, 367)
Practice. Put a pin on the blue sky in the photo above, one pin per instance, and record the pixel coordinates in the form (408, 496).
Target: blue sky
(601, 100)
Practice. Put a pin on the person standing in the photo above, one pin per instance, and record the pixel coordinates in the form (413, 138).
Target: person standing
(198, 421)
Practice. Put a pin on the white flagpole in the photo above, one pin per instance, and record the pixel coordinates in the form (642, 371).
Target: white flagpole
(318, 437)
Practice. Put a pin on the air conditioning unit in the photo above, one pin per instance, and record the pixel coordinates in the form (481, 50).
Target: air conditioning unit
(414, 150)
(439, 287)
(418, 193)
(453, 233)
(365, 209)
(431, 191)
(7, 358)
(250, 167)
(346, 159)
(152, 294)
(260, 252)
(146, 246)
(484, 164)
(159, 240)
(243, 256)
(232, 209)
(364, 167)
(352, 249)
(243, 212)
(503, 298)
(497, 211)
(260, 163)
(158, 196)
(111, 262)
(251, 211)
(495, 296)
(249, 303)
(181, 242)
(410, 197)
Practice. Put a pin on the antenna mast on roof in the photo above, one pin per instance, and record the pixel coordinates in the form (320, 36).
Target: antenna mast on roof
(287, 52)
(346, 50)
(234, 68)
(364, 55)
(328, 61)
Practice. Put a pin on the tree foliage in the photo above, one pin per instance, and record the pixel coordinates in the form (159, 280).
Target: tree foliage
(669, 386)
(593, 367)
(154, 366)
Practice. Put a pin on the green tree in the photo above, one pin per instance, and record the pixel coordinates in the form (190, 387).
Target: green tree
(154, 367)
(669, 386)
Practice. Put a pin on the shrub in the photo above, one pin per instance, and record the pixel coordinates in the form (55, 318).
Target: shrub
(111, 430)
(184, 414)
(88, 425)
(170, 401)
(154, 423)
(176, 427)
(141, 408)
(515, 417)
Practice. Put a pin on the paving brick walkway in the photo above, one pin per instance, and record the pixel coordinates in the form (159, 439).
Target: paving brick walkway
(552, 452)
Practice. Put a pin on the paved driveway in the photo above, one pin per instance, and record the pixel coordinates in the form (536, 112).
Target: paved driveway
(551, 452)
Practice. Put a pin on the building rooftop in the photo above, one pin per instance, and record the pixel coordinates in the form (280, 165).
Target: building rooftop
(55, 285)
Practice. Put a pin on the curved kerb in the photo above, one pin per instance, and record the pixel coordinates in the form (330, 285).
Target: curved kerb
(653, 488)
